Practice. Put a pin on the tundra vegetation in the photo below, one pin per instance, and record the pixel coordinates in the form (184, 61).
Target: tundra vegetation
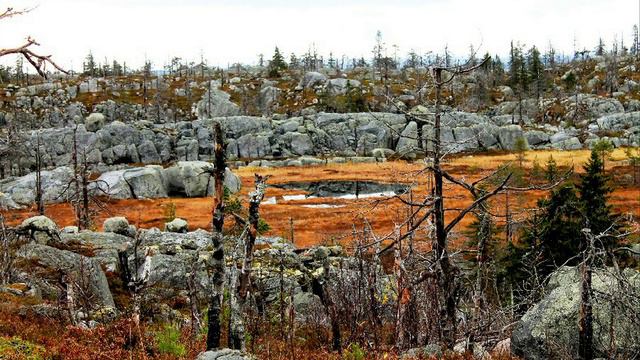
(322, 207)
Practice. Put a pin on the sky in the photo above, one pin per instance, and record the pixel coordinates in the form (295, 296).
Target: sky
(229, 31)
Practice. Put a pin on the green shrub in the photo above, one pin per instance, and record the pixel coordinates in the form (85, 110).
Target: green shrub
(354, 352)
(168, 340)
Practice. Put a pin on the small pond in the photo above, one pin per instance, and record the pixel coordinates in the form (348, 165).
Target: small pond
(341, 189)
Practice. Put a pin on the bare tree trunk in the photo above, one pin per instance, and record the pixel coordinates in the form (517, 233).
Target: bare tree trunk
(444, 271)
(585, 325)
(484, 236)
(217, 257)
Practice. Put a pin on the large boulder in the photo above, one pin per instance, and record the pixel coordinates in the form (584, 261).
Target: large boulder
(192, 179)
(148, 153)
(7, 203)
(104, 246)
(312, 79)
(550, 328)
(509, 135)
(594, 106)
(46, 261)
(407, 146)
(117, 225)
(216, 103)
(40, 229)
(147, 182)
(94, 122)
(167, 242)
(269, 98)
(619, 121)
(341, 86)
(223, 354)
(177, 225)
(22, 190)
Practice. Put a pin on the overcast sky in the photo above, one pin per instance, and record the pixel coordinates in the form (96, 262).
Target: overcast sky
(226, 31)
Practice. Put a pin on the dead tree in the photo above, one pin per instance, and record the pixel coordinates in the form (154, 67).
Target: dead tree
(217, 256)
(81, 192)
(38, 61)
(240, 284)
(440, 271)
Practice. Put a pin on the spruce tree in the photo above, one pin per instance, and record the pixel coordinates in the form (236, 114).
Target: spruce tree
(557, 236)
(594, 194)
(536, 71)
(89, 66)
(277, 63)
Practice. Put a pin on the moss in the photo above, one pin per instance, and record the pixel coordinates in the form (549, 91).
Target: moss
(16, 348)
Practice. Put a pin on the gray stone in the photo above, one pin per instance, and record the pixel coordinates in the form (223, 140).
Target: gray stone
(536, 137)
(312, 79)
(509, 135)
(216, 103)
(571, 143)
(177, 225)
(148, 153)
(41, 229)
(550, 328)
(147, 182)
(340, 86)
(407, 146)
(382, 153)
(268, 98)
(192, 179)
(74, 266)
(308, 306)
(223, 354)
(426, 352)
(94, 122)
(21, 190)
(104, 246)
(117, 225)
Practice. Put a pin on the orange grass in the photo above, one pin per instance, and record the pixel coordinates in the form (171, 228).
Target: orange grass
(335, 225)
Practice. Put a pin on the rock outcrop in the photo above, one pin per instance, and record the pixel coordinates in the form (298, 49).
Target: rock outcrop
(550, 328)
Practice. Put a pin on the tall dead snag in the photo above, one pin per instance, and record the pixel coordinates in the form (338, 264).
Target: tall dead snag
(585, 324)
(241, 284)
(217, 224)
(39, 62)
(39, 189)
